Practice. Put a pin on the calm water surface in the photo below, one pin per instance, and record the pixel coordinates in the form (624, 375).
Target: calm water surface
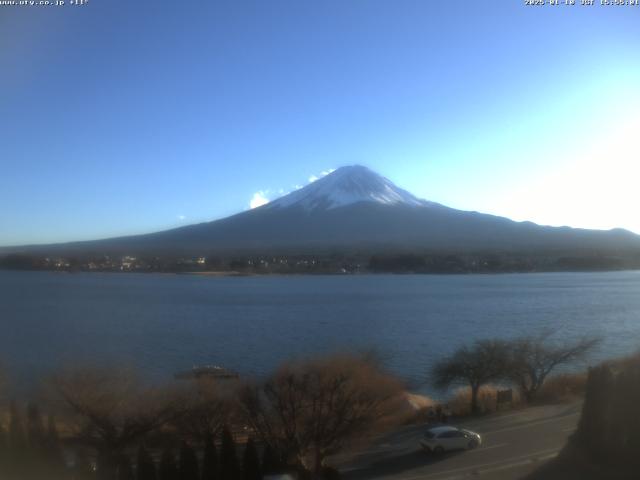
(166, 323)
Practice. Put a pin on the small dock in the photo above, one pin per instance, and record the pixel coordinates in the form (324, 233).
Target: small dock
(214, 372)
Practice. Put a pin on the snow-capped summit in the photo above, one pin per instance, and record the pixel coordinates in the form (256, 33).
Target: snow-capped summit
(346, 186)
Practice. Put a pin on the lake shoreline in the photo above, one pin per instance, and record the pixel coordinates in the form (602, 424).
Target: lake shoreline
(224, 273)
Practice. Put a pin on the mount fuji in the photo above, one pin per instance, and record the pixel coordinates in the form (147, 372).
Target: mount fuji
(346, 186)
(355, 209)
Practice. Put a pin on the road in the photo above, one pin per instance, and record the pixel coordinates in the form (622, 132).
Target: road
(514, 444)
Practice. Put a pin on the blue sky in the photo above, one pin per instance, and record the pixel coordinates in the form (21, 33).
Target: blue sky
(127, 117)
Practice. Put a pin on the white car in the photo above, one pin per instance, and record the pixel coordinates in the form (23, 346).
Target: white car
(444, 438)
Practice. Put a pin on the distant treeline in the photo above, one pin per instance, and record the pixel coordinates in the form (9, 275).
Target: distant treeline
(500, 263)
(332, 263)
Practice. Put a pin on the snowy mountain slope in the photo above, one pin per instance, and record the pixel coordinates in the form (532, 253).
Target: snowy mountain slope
(347, 186)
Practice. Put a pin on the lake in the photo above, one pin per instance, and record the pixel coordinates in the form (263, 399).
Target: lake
(162, 324)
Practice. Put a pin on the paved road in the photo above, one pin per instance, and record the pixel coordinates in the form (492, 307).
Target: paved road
(514, 444)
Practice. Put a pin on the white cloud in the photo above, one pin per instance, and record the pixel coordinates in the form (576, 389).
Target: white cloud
(259, 198)
(262, 197)
(181, 217)
(324, 173)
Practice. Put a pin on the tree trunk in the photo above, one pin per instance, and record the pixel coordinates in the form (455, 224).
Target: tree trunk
(529, 394)
(474, 399)
(529, 391)
(317, 465)
(106, 465)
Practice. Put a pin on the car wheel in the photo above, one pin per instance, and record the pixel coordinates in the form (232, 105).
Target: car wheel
(439, 450)
(472, 444)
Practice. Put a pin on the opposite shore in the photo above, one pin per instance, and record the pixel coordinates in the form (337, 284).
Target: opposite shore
(333, 263)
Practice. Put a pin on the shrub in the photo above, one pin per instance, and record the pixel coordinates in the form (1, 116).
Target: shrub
(564, 387)
(460, 403)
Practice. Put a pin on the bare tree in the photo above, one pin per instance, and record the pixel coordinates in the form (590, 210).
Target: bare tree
(485, 361)
(533, 358)
(310, 410)
(207, 406)
(110, 410)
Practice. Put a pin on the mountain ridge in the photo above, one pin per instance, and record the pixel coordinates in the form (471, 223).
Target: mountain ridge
(353, 208)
